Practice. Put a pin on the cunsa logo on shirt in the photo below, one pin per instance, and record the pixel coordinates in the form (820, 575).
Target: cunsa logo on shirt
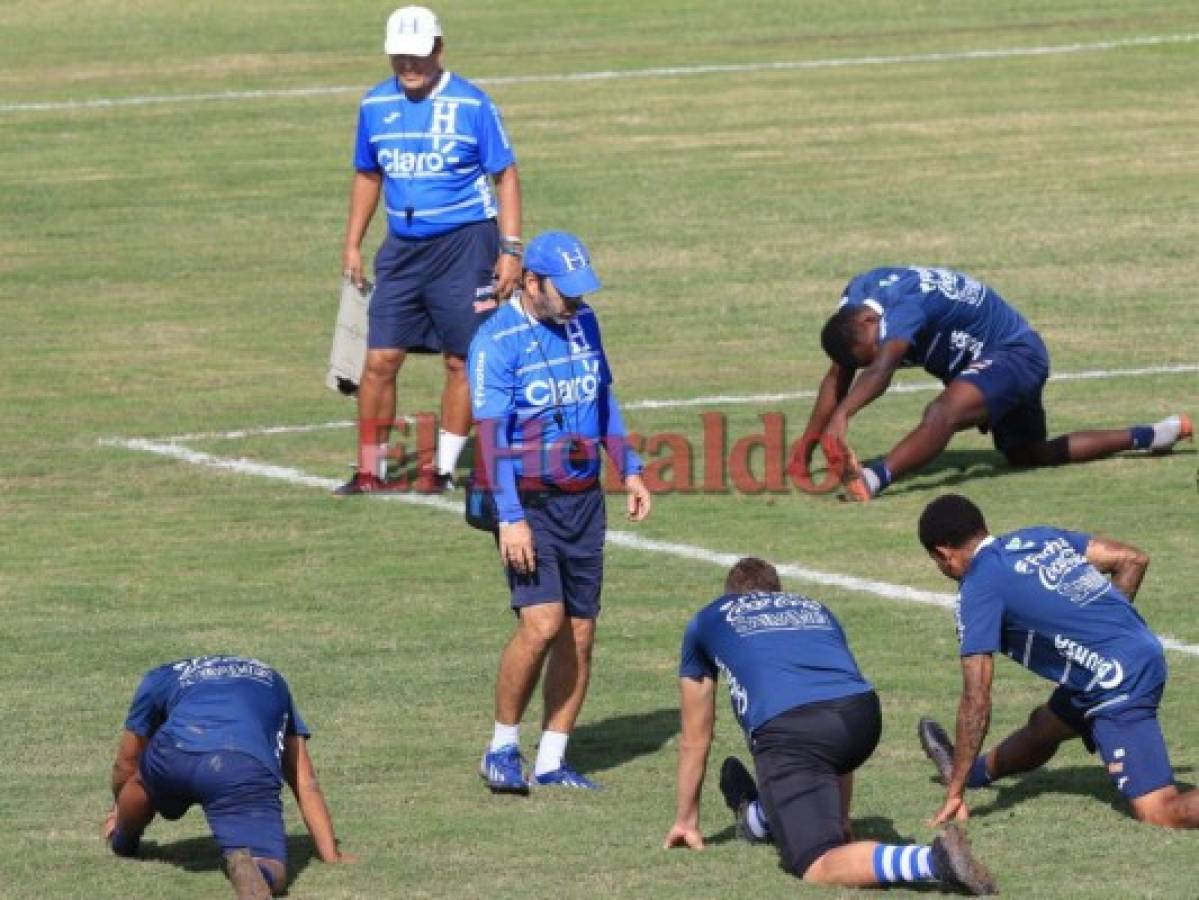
(1108, 672)
(581, 388)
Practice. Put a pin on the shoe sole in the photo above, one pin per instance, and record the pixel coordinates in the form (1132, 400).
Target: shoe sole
(937, 747)
(968, 871)
(245, 876)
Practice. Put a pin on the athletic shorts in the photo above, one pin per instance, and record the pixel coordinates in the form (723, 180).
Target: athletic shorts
(1011, 380)
(432, 293)
(568, 536)
(799, 757)
(1127, 736)
(239, 796)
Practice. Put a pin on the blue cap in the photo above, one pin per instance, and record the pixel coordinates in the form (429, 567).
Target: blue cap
(564, 259)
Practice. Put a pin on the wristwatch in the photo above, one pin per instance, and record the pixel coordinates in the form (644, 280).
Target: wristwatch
(512, 246)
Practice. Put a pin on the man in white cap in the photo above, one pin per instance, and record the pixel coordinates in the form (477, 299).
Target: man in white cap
(434, 146)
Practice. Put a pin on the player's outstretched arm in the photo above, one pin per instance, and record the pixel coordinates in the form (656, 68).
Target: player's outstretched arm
(833, 388)
(974, 717)
(870, 384)
(1124, 563)
(697, 710)
(301, 778)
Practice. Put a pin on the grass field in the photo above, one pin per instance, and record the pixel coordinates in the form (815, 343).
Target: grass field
(169, 266)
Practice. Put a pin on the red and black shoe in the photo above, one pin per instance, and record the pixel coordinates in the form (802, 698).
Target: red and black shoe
(367, 483)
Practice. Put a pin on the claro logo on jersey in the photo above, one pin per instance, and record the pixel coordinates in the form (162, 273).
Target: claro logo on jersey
(1108, 672)
(582, 388)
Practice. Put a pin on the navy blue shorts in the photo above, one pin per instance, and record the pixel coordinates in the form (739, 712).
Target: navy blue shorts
(1127, 736)
(1011, 380)
(431, 294)
(239, 796)
(568, 536)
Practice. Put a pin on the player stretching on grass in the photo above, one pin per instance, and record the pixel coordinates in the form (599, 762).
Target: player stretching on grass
(1039, 595)
(992, 363)
(221, 731)
(811, 719)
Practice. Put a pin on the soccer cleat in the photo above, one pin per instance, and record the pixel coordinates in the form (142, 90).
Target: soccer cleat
(852, 480)
(245, 876)
(430, 481)
(953, 864)
(1169, 432)
(503, 770)
(565, 776)
(937, 747)
(366, 483)
(739, 790)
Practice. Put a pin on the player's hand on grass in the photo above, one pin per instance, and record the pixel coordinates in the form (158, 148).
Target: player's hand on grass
(110, 824)
(639, 498)
(516, 548)
(344, 859)
(953, 810)
(686, 836)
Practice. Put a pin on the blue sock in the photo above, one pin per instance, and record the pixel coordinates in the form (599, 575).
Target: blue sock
(882, 473)
(755, 818)
(124, 845)
(978, 776)
(893, 863)
(1142, 436)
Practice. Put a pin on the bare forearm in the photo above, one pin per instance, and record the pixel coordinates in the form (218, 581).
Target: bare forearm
(974, 718)
(1123, 563)
(318, 820)
(693, 763)
(871, 384)
(833, 388)
(507, 188)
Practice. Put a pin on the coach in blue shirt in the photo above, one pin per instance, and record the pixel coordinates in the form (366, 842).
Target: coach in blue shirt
(223, 732)
(810, 719)
(542, 396)
(1040, 596)
(432, 143)
(994, 367)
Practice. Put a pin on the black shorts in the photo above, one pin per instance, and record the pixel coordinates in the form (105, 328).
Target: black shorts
(799, 757)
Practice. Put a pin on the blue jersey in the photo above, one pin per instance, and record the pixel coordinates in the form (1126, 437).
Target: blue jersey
(435, 154)
(776, 650)
(217, 703)
(1032, 595)
(950, 319)
(547, 390)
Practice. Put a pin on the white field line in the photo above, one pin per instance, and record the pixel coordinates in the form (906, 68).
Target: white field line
(623, 74)
(624, 539)
(714, 400)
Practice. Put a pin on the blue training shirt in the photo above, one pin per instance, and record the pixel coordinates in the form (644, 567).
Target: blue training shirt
(435, 154)
(213, 703)
(1032, 595)
(537, 388)
(951, 320)
(777, 651)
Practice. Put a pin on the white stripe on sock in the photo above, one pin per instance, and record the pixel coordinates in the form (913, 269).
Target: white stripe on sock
(889, 863)
(906, 870)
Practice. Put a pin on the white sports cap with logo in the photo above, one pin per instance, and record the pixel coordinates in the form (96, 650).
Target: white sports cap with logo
(411, 31)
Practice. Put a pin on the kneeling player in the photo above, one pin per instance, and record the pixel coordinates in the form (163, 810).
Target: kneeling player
(811, 719)
(1040, 596)
(223, 732)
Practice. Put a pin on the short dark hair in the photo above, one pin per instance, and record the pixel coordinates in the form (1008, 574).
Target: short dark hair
(838, 336)
(950, 521)
(752, 574)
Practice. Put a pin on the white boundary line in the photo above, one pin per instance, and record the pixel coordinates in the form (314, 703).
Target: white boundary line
(715, 400)
(619, 74)
(624, 539)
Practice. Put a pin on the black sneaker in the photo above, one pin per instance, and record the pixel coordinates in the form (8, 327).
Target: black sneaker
(953, 864)
(366, 483)
(937, 747)
(245, 876)
(739, 790)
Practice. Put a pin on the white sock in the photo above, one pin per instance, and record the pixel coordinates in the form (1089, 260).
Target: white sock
(1166, 432)
(381, 460)
(550, 752)
(449, 448)
(755, 820)
(504, 735)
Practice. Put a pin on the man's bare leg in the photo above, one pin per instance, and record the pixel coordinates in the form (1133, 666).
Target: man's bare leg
(377, 407)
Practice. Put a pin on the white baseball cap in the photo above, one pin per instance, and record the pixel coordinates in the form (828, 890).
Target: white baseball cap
(411, 31)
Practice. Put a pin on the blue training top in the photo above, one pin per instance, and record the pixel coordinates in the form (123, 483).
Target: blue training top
(216, 703)
(777, 650)
(1032, 595)
(951, 319)
(435, 154)
(537, 388)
